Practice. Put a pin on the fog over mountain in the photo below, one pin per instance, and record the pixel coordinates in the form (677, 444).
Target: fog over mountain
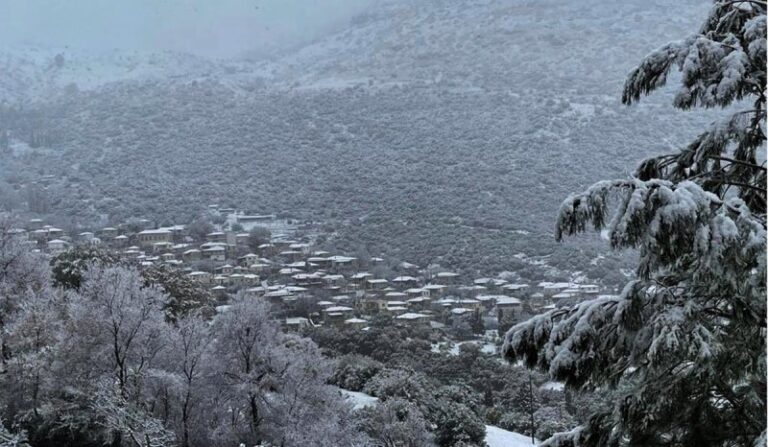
(220, 29)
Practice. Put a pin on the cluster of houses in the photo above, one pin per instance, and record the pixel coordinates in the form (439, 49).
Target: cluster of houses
(313, 286)
(350, 297)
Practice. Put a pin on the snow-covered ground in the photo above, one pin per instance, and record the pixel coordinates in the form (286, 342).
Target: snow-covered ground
(498, 437)
(554, 386)
(31, 72)
(453, 348)
(360, 400)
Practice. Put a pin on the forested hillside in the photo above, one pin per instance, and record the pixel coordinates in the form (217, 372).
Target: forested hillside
(401, 132)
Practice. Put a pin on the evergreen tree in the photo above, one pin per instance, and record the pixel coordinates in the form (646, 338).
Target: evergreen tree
(69, 267)
(478, 327)
(258, 236)
(506, 321)
(185, 295)
(683, 346)
(396, 423)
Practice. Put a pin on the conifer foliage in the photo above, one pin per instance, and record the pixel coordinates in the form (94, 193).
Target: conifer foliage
(683, 346)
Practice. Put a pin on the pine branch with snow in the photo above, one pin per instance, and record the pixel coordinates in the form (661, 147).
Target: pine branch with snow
(722, 65)
(684, 344)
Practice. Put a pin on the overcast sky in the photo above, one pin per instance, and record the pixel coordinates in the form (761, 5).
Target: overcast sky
(223, 28)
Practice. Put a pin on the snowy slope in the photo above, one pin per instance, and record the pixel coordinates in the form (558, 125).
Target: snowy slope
(30, 72)
(498, 437)
(482, 44)
(464, 45)
(359, 400)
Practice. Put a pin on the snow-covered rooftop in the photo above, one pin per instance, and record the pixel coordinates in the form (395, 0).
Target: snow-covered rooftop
(411, 316)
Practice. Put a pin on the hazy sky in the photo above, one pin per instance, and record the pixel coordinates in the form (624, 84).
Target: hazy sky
(223, 28)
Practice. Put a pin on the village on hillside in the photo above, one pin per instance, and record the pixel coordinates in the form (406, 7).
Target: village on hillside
(312, 287)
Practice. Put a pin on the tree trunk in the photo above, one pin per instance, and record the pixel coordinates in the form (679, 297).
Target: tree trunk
(530, 408)
(254, 413)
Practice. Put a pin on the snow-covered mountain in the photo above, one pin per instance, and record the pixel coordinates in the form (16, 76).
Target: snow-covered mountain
(35, 73)
(462, 44)
(490, 44)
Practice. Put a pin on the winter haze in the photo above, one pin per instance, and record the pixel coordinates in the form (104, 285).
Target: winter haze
(353, 223)
(221, 29)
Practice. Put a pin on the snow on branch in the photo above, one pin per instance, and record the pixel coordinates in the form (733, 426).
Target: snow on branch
(718, 65)
(659, 318)
(652, 71)
(116, 415)
(666, 221)
(566, 439)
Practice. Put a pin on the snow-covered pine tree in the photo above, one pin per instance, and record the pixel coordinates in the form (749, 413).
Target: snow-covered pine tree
(683, 346)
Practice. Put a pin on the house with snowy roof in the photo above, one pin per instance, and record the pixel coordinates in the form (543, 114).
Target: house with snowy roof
(216, 236)
(408, 266)
(216, 253)
(343, 263)
(35, 224)
(300, 246)
(191, 255)
(508, 308)
(415, 292)
(515, 287)
(53, 232)
(120, 240)
(334, 282)
(148, 238)
(356, 323)
(336, 314)
(308, 279)
(418, 303)
(248, 260)
(552, 289)
(405, 281)
(296, 323)
(470, 304)
(200, 276)
(371, 306)
(433, 290)
(413, 319)
(390, 296)
(241, 239)
(358, 280)
(55, 246)
(447, 277)
(396, 310)
(160, 247)
(376, 283)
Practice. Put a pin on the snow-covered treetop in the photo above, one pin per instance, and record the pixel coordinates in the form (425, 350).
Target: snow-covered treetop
(722, 65)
